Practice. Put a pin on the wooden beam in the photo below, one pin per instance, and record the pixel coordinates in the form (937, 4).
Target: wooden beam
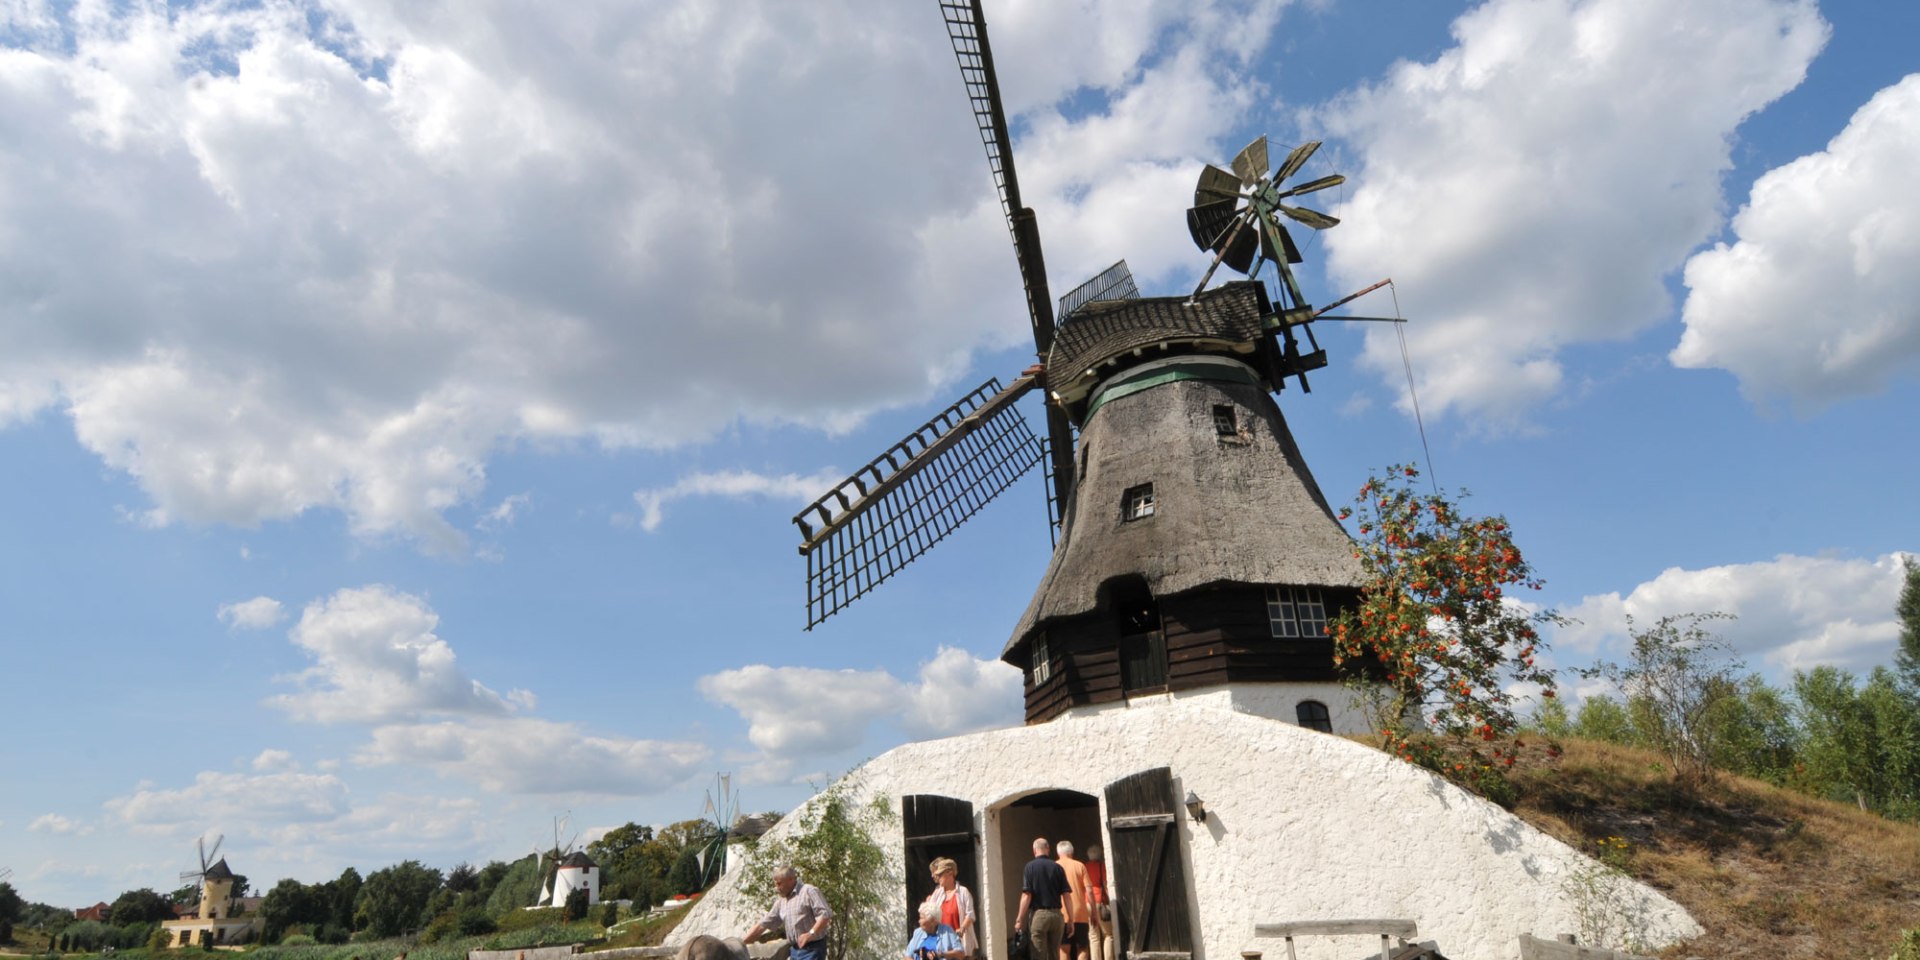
(1404, 929)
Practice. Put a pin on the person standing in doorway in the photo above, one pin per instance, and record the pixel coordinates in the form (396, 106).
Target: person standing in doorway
(1074, 945)
(1100, 931)
(955, 902)
(800, 912)
(1043, 891)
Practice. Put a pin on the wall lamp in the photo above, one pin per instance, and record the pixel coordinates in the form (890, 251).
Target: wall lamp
(1196, 808)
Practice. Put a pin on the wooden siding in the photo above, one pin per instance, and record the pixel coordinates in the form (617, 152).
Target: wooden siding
(1213, 637)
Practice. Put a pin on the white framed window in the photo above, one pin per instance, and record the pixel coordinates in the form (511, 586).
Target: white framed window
(1296, 612)
(1224, 422)
(1137, 503)
(1042, 661)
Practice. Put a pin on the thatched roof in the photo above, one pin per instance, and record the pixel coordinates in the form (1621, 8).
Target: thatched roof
(1228, 316)
(1229, 510)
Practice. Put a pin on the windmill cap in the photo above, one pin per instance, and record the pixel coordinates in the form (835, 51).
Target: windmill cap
(220, 871)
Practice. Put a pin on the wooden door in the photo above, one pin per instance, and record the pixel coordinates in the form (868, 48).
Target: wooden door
(936, 827)
(1148, 873)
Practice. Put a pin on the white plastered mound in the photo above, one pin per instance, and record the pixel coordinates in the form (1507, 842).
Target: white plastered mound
(1301, 826)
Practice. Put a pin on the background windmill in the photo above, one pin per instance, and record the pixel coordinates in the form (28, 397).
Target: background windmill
(722, 809)
(213, 878)
(207, 858)
(548, 862)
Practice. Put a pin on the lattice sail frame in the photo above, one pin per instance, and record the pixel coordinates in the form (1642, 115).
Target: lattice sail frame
(909, 498)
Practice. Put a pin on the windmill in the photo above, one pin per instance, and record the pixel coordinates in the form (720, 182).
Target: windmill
(214, 878)
(1192, 546)
(548, 863)
(722, 809)
(208, 859)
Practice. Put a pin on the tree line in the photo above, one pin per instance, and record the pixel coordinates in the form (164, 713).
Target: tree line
(636, 863)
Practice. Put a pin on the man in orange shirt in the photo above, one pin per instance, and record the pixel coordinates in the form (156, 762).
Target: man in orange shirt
(1074, 947)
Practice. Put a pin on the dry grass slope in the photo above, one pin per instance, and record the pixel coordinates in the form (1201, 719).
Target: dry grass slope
(1767, 872)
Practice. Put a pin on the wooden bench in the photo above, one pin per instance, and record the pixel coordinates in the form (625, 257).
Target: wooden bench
(1395, 936)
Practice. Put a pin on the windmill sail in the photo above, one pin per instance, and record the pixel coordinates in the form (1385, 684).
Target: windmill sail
(897, 507)
(1113, 283)
(967, 29)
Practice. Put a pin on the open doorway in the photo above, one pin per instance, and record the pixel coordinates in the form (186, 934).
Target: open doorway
(1054, 814)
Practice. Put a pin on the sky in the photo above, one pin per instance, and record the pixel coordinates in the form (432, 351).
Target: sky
(402, 404)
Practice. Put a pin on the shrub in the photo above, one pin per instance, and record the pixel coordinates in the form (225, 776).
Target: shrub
(475, 921)
(1434, 643)
(834, 850)
(576, 906)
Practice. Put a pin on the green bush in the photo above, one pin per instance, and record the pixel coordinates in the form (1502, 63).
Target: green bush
(297, 940)
(475, 921)
(1909, 948)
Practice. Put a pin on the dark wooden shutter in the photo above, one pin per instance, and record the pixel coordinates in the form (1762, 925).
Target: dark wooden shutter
(938, 827)
(1149, 876)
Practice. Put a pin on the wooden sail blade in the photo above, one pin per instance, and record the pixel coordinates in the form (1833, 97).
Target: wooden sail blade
(897, 507)
(1215, 184)
(1295, 160)
(1315, 185)
(1250, 164)
(967, 30)
(1312, 218)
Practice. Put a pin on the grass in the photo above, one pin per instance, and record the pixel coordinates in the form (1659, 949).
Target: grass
(648, 931)
(1766, 871)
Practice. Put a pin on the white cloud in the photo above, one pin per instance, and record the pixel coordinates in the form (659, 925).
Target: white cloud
(795, 713)
(1794, 612)
(271, 759)
(734, 484)
(285, 257)
(958, 693)
(526, 755)
(256, 614)
(237, 798)
(805, 711)
(1817, 298)
(58, 825)
(1530, 187)
(504, 513)
(377, 660)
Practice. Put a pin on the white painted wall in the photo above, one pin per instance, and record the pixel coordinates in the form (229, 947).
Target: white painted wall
(1301, 826)
(1275, 701)
(568, 879)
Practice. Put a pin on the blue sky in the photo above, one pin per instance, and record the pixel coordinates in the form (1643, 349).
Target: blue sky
(402, 408)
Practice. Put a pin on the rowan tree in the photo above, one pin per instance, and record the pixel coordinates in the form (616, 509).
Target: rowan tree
(1440, 645)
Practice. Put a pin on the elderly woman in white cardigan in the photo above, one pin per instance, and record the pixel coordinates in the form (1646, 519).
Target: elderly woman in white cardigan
(955, 903)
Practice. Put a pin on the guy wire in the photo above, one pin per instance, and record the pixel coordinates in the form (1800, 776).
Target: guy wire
(1406, 361)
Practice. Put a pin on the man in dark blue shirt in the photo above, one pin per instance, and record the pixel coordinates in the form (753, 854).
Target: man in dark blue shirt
(1043, 889)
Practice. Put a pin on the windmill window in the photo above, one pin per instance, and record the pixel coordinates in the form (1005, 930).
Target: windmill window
(1224, 422)
(1296, 612)
(1138, 502)
(1042, 661)
(1313, 715)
